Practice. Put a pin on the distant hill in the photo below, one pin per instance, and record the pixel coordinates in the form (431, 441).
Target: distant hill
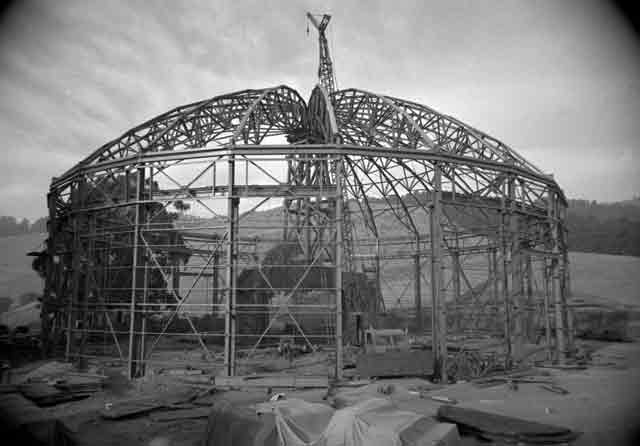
(595, 228)
(606, 228)
(606, 279)
(13, 226)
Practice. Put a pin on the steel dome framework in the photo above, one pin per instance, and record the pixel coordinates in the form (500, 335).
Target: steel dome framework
(443, 223)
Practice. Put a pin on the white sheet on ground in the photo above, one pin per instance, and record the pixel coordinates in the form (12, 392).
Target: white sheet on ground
(374, 422)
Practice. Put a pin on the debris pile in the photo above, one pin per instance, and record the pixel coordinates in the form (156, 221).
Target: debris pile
(504, 429)
(56, 382)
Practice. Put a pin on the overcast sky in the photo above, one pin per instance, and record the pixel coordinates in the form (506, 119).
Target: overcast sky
(557, 80)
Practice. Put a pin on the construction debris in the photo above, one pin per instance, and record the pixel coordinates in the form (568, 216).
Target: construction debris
(130, 408)
(443, 399)
(514, 378)
(563, 366)
(501, 428)
(54, 385)
(185, 414)
(274, 381)
(22, 422)
(49, 370)
(45, 395)
(141, 406)
(183, 372)
(555, 389)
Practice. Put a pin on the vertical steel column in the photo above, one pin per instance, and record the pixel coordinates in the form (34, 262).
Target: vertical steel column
(47, 305)
(215, 299)
(417, 290)
(455, 269)
(567, 307)
(506, 270)
(338, 259)
(286, 202)
(145, 291)
(556, 285)
(133, 310)
(377, 304)
(438, 310)
(516, 289)
(566, 288)
(530, 326)
(547, 321)
(493, 274)
(230, 302)
(89, 268)
(307, 214)
(77, 200)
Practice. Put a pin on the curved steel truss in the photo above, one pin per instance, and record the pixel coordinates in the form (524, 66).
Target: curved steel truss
(367, 184)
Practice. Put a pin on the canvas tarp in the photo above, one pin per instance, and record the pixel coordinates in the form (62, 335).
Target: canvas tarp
(374, 422)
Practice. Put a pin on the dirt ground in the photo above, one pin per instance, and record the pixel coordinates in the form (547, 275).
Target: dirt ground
(603, 403)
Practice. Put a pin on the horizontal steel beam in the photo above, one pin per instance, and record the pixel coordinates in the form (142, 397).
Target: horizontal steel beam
(302, 150)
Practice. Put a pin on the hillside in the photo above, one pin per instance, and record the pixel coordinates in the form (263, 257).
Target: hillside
(605, 278)
(607, 228)
(594, 277)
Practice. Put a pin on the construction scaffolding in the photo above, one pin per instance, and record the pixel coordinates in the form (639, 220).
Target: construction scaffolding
(211, 233)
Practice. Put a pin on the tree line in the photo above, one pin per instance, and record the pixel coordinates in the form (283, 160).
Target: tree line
(13, 226)
(606, 228)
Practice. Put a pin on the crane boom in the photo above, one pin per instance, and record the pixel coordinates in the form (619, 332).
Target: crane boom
(325, 68)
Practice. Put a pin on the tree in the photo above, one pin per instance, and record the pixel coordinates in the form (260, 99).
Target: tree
(181, 206)
(40, 225)
(117, 234)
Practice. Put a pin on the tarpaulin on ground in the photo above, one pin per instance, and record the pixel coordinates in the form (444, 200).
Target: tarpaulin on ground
(239, 426)
(374, 422)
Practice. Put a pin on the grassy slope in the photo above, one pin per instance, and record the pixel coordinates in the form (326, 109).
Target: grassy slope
(609, 278)
(614, 279)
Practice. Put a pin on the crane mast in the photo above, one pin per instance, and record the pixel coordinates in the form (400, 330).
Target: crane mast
(325, 68)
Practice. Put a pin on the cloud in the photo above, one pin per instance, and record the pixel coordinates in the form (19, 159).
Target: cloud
(556, 80)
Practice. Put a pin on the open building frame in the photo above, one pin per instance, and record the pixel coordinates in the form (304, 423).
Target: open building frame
(479, 234)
